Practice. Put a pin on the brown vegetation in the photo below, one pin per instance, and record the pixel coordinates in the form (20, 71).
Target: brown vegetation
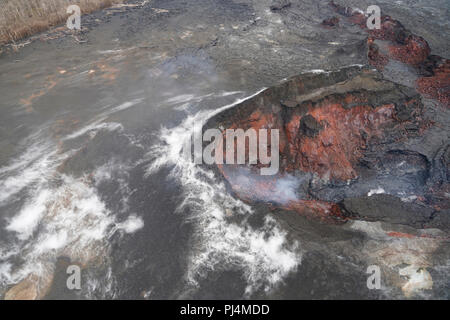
(22, 18)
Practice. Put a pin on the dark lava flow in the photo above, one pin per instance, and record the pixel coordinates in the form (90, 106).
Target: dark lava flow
(394, 47)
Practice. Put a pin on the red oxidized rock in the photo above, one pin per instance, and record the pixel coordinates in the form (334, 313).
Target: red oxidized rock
(325, 130)
(391, 30)
(414, 52)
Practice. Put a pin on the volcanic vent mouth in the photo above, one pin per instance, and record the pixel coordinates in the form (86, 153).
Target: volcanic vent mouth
(341, 135)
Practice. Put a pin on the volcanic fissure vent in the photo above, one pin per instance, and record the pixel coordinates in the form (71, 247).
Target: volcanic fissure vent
(342, 135)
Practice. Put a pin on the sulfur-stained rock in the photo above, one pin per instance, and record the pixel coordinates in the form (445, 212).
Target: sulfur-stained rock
(418, 279)
(25, 290)
(31, 288)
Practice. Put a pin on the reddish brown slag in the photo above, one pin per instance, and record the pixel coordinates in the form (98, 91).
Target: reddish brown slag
(414, 52)
(404, 47)
(332, 153)
(438, 85)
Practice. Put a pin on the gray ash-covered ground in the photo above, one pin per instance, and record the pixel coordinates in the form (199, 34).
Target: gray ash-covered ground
(91, 129)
